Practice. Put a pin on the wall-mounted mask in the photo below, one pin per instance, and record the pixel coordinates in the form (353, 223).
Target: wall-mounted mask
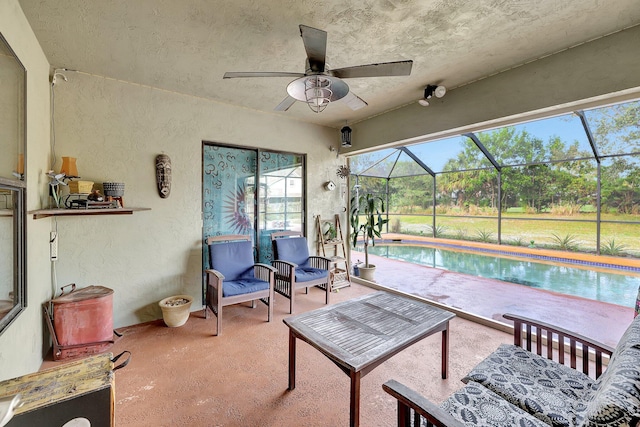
(163, 175)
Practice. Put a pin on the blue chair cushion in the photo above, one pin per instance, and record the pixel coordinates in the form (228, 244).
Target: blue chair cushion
(306, 274)
(292, 249)
(243, 286)
(233, 259)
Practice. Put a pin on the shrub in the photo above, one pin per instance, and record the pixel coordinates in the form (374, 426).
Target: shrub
(441, 209)
(474, 210)
(566, 209)
(484, 236)
(612, 248)
(567, 242)
(461, 233)
(516, 241)
(438, 231)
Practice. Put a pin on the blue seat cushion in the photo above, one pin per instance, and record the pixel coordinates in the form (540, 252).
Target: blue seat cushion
(243, 286)
(307, 274)
(292, 249)
(233, 259)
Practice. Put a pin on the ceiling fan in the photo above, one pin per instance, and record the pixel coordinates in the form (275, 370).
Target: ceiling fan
(318, 85)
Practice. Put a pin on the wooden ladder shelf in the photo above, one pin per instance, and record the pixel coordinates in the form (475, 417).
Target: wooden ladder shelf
(331, 245)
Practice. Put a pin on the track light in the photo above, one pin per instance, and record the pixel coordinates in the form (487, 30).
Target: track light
(431, 90)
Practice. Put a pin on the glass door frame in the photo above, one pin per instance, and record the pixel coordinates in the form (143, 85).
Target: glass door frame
(256, 220)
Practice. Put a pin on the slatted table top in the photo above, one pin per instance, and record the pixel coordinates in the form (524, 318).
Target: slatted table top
(362, 331)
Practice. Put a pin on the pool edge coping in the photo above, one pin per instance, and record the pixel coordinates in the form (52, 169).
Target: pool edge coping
(619, 264)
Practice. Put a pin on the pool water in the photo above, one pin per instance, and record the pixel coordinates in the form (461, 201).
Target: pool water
(613, 286)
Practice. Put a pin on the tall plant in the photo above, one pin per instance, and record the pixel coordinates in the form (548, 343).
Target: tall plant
(371, 208)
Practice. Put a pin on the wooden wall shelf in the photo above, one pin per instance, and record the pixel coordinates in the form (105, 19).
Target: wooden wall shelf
(45, 213)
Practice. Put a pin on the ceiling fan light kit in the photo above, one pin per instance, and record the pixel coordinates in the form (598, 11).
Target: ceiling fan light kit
(318, 86)
(317, 91)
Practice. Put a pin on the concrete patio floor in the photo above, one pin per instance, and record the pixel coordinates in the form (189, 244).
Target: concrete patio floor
(185, 376)
(488, 299)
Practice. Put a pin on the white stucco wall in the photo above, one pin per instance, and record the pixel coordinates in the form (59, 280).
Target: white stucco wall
(22, 344)
(116, 129)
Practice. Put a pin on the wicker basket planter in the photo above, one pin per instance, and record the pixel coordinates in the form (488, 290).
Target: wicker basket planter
(175, 310)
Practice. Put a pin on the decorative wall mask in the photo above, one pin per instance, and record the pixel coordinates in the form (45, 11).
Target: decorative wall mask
(163, 175)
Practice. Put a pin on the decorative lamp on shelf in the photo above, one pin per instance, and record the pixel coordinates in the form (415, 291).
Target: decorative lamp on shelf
(20, 166)
(69, 167)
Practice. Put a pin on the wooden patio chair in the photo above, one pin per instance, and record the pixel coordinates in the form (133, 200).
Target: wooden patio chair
(234, 277)
(296, 269)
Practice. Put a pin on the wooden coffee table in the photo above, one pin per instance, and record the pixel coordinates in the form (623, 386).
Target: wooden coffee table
(359, 334)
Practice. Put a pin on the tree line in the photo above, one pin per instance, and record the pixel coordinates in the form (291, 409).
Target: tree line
(536, 175)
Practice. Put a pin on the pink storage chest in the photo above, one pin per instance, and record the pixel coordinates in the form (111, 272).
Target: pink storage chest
(83, 321)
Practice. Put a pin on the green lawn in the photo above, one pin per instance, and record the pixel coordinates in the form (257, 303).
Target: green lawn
(520, 229)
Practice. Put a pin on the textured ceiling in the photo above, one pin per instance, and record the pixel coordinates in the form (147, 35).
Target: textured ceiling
(187, 45)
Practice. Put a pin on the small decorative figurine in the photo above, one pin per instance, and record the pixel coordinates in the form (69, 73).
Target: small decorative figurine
(95, 196)
(163, 175)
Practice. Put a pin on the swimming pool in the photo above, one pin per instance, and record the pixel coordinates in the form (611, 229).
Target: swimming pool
(592, 282)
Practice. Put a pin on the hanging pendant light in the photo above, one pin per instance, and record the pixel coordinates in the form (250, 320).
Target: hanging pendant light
(345, 136)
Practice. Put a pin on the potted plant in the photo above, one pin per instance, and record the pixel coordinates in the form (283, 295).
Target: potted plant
(175, 310)
(370, 207)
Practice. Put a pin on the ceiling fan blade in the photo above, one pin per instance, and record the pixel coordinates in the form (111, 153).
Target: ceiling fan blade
(354, 102)
(315, 44)
(234, 74)
(285, 104)
(399, 68)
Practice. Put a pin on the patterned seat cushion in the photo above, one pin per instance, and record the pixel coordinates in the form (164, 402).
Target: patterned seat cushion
(553, 393)
(476, 405)
(631, 336)
(616, 402)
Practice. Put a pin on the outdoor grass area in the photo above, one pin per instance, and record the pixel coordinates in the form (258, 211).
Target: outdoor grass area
(520, 229)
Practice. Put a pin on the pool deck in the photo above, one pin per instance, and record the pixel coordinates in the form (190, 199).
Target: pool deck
(488, 299)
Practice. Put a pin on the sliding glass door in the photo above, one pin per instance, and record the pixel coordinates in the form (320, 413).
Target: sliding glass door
(232, 203)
